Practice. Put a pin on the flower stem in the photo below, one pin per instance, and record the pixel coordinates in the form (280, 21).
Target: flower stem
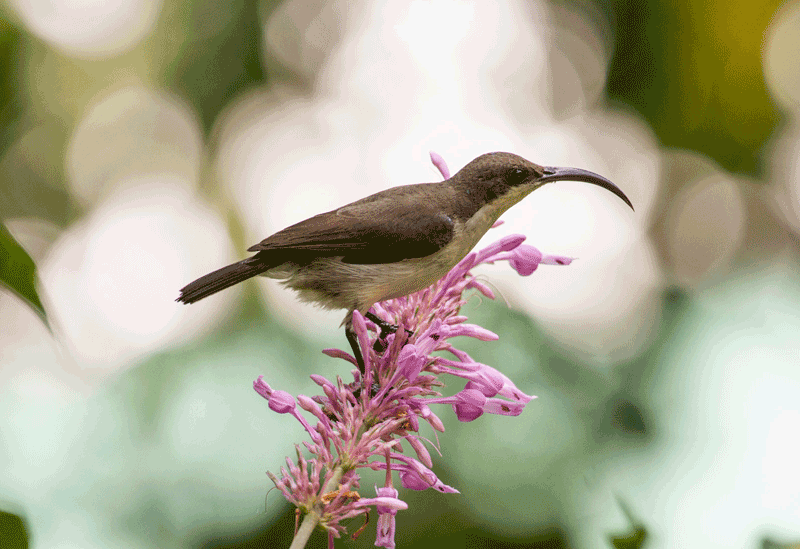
(311, 520)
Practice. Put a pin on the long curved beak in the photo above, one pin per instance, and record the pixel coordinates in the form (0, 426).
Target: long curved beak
(577, 174)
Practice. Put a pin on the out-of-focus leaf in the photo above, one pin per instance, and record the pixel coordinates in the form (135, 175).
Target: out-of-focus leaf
(219, 55)
(17, 270)
(694, 71)
(768, 543)
(13, 534)
(635, 538)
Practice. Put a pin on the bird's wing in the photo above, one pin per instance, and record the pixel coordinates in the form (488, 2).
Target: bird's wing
(382, 228)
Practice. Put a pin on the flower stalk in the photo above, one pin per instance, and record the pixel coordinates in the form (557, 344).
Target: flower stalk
(311, 520)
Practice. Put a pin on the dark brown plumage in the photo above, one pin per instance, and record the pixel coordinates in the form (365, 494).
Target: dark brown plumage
(393, 242)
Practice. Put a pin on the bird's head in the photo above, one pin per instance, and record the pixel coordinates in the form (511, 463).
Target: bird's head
(506, 178)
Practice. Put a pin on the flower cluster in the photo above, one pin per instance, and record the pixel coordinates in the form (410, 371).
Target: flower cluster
(367, 423)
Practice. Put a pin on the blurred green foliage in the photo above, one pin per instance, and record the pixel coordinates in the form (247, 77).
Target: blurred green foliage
(768, 543)
(32, 138)
(13, 534)
(10, 100)
(439, 528)
(694, 71)
(633, 539)
(219, 55)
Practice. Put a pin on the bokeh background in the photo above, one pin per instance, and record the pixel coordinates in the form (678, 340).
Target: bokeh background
(144, 143)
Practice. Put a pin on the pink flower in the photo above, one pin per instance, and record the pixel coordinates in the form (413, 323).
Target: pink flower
(386, 520)
(525, 259)
(369, 422)
(440, 164)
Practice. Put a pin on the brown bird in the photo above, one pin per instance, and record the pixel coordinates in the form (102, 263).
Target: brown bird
(391, 243)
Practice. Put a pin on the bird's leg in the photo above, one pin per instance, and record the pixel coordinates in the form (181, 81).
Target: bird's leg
(386, 328)
(352, 338)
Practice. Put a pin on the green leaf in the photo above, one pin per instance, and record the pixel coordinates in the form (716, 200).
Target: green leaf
(13, 531)
(633, 539)
(18, 271)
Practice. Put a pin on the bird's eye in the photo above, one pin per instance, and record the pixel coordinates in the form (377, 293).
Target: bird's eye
(516, 176)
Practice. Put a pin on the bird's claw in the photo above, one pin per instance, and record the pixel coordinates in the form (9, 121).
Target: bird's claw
(385, 329)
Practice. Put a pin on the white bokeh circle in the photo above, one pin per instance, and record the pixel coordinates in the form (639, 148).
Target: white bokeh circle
(90, 28)
(111, 280)
(130, 131)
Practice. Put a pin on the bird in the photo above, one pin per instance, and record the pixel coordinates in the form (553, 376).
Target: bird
(394, 242)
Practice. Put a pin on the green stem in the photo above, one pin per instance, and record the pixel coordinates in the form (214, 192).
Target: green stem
(313, 517)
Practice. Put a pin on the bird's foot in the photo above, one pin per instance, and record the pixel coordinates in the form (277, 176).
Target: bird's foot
(386, 328)
(380, 342)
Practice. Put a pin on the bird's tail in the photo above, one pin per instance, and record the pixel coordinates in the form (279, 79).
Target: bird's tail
(221, 279)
